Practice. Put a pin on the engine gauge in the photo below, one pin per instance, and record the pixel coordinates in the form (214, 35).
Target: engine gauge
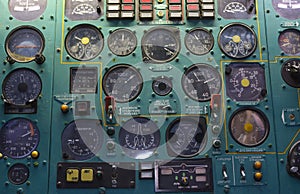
(293, 163)
(162, 85)
(139, 137)
(122, 42)
(82, 139)
(186, 136)
(123, 82)
(24, 43)
(27, 10)
(18, 174)
(18, 138)
(289, 41)
(290, 72)
(237, 40)
(21, 86)
(160, 45)
(245, 81)
(200, 81)
(249, 127)
(84, 42)
(199, 41)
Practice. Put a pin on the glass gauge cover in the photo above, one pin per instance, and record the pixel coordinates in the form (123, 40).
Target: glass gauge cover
(123, 82)
(122, 42)
(162, 85)
(139, 137)
(84, 42)
(82, 139)
(293, 160)
(21, 86)
(199, 41)
(289, 9)
(290, 72)
(186, 136)
(18, 138)
(18, 174)
(160, 44)
(24, 43)
(27, 10)
(201, 81)
(289, 41)
(237, 40)
(249, 127)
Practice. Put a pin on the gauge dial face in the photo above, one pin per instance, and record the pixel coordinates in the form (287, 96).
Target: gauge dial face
(237, 40)
(160, 45)
(139, 137)
(18, 138)
(293, 164)
(82, 139)
(237, 9)
(123, 82)
(122, 42)
(82, 9)
(18, 174)
(289, 41)
(245, 82)
(290, 72)
(162, 85)
(287, 8)
(27, 10)
(21, 86)
(186, 136)
(249, 127)
(199, 41)
(201, 81)
(84, 42)
(24, 43)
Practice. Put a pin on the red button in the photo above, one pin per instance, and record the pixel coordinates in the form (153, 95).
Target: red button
(146, 1)
(193, 7)
(175, 1)
(127, 1)
(146, 7)
(192, 1)
(175, 7)
(127, 7)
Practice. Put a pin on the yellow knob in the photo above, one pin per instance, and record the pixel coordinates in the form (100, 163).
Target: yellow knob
(245, 83)
(64, 108)
(248, 127)
(85, 40)
(258, 176)
(160, 1)
(35, 154)
(236, 39)
(160, 13)
(1, 155)
(257, 165)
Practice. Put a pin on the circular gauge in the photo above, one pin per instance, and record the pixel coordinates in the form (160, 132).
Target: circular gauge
(84, 42)
(287, 8)
(139, 137)
(160, 45)
(27, 10)
(18, 174)
(185, 136)
(162, 85)
(123, 82)
(200, 81)
(18, 138)
(122, 42)
(245, 82)
(290, 72)
(21, 86)
(24, 43)
(82, 139)
(249, 127)
(199, 41)
(293, 164)
(289, 41)
(237, 40)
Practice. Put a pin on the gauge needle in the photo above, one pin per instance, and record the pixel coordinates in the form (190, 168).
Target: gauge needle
(169, 50)
(196, 37)
(77, 38)
(24, 46)
(129, 79)
(209, 80)
(229, 37)
(286, 44)
(26, 134)
(196, 76)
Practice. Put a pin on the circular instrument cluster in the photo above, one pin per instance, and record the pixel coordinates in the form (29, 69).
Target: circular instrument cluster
(293, 163)
(288, 41)
(290, 72)
(199, 41)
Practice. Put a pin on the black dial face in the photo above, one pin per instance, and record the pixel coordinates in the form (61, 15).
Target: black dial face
(160, 45)
(245, 82)
(18, 174)
(249, 127)
(199, 41)
(237, 40)
(84, 42)
(123, 82)
(18, 138)
(82, 139)
(290, 72)
(82, 9)
(289, 41)
(289, 9)
(201, 81)
(122, 42)
(139, 137)
(293, 164)
(21, 86)
(27, 10)
(162, 85)
(24, 43)
(186, 136)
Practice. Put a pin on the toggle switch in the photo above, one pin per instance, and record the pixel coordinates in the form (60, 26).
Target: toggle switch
(110, 109)
(243, 173)
(224, 172)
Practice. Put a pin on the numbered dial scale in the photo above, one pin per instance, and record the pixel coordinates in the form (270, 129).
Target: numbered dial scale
(18, 138)
(27, 10)
(122, 42)
(18, 174)
(293, 164)
(237, 40)
(289, 41)
(290, 72)
(199, 41)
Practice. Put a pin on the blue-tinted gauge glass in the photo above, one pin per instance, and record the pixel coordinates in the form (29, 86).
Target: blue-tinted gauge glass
(237, 40)
(18, 138)
(289, 9)
(27, 10)
(21, 86)
(24, 43)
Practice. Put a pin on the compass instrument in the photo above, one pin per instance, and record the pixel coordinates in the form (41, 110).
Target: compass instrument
(199, 41)
(27, 10)
(290, 72)
(289, 40)
(122, 42)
